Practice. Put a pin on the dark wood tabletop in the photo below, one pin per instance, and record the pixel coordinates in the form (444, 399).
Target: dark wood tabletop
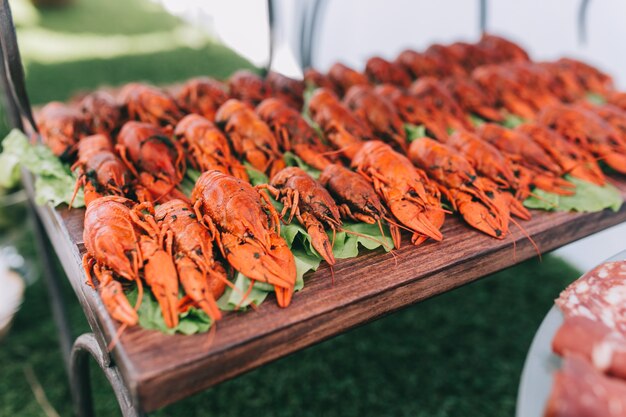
(161, 369)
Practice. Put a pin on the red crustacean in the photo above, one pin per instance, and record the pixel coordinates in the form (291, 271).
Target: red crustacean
(468, 55)
(100, 170)
(544, 173)
(381, 71)
(294, 133)
(406, 190)
(250, 137)
(310, 203)
(313, 77)
(342, 128)
(149, 104)
(287, 89)
(111, 239)
(489, 161)
(411, 111)
(248, 87)
(202, 95)
(120, 242)
(477, 199)
(472, 98)
(502, 50)
(444, 54)
(246, 228)
(356, 198)
(501, 83)
(434, 97)
(101, 112)
(202, 277)
(589, 131)
(378, 112)
(155, 158)
(207, 147)
(422, 65)
(591, 78)
(571, 158)
(61, 127)
(345, 77)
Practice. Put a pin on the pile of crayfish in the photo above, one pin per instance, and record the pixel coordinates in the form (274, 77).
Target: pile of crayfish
(131, 150)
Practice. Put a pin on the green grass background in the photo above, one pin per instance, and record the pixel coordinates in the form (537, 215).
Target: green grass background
(459, 354)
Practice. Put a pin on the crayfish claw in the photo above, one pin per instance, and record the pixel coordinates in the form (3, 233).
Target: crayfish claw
(117, 304)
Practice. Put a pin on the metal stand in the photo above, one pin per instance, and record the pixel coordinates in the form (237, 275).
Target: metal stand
(84, 346)
(76, 353)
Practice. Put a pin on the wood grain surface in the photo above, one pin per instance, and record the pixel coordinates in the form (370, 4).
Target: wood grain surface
(161, 369)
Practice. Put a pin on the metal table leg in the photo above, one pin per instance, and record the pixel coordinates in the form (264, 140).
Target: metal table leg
(76, 354)
(84, 346)
(51, 277)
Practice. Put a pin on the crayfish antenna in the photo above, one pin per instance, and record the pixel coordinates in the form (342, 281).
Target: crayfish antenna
(382, 243)
(525, 233)
(540, 198)
(245, 295)
(117, 337)
(211, 335)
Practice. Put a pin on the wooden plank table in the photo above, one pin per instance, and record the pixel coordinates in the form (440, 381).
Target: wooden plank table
(159, 369)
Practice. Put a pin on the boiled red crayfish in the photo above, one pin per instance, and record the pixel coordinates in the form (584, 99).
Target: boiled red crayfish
(287, 89)
(294, 133)
(411, 197)
(489, 161)
(310, 203)
(250, 137)
(149, 104)
(381, 71)
(543, 171)
(247, 231)
(202, 277)
(432, 96)
(379, 113)
(61, 127)
(411, 111)
(345, 77)
(202, 95)
(100, 170)
(342, 128)
(589, 131)
(101, 112)
(571, 158)
(207, 147)
(155, 158)
(248, 87)
(356, 198)
(116, 244)
(476, 199)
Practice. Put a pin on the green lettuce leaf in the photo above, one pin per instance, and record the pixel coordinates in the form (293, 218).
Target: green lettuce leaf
(54, 181)
(293, 160)
(588, 198)
(476, 120)
(256, 176)
(192, 321)
(512, 121)
(595, 98)
(414, 131)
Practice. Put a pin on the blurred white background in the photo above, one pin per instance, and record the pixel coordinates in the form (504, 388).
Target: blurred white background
(353, 30)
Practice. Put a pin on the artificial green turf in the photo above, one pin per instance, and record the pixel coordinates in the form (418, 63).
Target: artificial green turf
(459, 354)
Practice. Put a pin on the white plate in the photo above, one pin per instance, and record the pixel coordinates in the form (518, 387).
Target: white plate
(536, 382)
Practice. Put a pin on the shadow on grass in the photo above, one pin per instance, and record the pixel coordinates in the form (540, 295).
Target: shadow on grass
(128, 17)
(459, 354)
(46, 82)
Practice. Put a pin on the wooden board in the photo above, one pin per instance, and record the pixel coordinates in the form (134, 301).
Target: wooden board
(161, 369)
